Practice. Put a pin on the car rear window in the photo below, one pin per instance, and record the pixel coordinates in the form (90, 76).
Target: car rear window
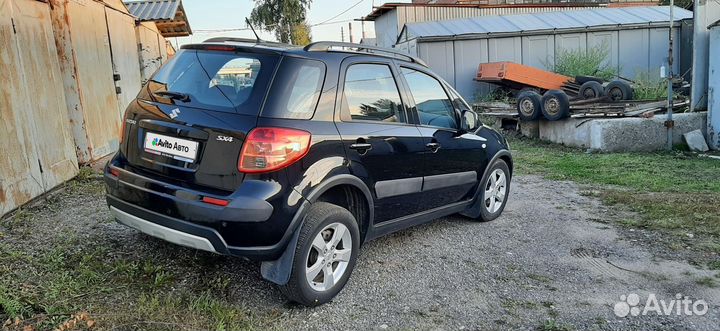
(295, 89)
(216, 80)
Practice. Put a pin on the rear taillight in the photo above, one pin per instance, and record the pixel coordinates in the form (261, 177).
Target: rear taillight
(269, 149)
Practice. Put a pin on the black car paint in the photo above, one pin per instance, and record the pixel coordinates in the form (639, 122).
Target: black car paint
(266, 209)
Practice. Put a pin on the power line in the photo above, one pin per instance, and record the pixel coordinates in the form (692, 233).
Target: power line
(343, 12)
(325, 22)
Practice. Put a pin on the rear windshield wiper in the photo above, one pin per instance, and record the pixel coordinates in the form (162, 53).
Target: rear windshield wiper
(173, 95)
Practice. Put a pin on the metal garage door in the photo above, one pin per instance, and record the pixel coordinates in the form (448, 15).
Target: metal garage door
(125, 59)
(37, 150)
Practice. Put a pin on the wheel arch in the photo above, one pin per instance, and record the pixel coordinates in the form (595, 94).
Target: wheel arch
(278, 271)
(473, 211)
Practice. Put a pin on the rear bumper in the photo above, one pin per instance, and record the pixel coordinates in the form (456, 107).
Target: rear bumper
(168, 234)
(257, 224)
(186, 233)
(167, 228)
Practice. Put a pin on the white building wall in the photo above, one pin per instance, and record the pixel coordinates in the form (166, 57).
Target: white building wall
(713, 119)
(440, 54)
(633, 52)
(386, 29)
(468, 55)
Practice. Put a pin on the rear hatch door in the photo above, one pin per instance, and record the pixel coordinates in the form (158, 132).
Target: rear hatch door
(188, 123)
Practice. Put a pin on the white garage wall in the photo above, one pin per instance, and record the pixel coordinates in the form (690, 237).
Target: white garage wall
(538, 51)
(468, 54)
(633, 53)
(440, 54)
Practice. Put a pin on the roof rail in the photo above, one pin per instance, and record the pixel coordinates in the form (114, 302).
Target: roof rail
(327, 46)
(242, 40)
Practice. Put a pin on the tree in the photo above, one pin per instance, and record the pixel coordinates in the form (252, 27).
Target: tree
(687, 4)
(301, 34)
(280, 16)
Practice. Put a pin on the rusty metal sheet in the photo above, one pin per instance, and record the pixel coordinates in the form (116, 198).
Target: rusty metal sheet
(151, 57)
(37, 148)
(125, 58)
(95, 85)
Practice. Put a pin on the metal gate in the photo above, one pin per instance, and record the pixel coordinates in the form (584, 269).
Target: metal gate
(125, 59)
(37, 150)
(92, 103)
(151, 55)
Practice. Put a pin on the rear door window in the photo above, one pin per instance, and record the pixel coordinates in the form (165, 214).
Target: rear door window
(222, 81)
(295, 89)
(371, 94)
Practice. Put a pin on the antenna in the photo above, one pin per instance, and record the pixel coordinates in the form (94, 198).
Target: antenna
(253, 29)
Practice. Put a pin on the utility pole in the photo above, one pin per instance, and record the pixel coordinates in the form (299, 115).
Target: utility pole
(669, 123)
(350, 31)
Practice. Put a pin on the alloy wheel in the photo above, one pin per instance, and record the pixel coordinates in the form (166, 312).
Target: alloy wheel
(328, 257)
(495, 190)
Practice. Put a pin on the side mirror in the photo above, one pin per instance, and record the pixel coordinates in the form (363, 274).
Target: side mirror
(470, 121)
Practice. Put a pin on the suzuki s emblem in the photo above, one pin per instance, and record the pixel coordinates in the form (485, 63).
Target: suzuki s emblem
(174, 113)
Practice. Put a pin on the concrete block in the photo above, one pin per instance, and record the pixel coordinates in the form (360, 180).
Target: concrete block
(530, 129)
(570, 131)
(696, 141)
(621, 134)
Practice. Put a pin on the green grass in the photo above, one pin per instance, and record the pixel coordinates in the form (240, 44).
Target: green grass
(44, 289)
(552, 325)
(675, 192)
(48, 282)
(707, 282)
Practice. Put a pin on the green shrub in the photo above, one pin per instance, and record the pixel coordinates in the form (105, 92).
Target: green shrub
(579, 62)
(647, 87)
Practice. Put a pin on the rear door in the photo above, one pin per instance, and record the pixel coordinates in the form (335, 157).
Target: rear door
(384, 148)
(453, 159)
(189, 122)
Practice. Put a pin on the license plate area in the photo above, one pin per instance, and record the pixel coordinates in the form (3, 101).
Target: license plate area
(172, 147)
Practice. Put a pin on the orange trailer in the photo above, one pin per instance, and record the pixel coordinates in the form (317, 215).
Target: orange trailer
(518, 76)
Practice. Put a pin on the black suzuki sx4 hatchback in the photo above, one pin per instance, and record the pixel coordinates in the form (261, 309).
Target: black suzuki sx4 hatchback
(296, 156)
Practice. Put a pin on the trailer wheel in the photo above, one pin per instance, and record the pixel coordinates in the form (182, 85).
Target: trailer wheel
(555, 105)
(529, 104)
(619, 90)
(591, 90)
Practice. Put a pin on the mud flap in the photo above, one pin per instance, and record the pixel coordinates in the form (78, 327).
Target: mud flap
(278, 271)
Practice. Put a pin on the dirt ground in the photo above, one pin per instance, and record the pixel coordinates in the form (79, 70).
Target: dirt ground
(553, 261)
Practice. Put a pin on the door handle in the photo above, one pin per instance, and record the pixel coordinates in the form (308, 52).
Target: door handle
(361, 147)
(433, 146)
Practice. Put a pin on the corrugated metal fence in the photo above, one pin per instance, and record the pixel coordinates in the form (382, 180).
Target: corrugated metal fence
(70, 69)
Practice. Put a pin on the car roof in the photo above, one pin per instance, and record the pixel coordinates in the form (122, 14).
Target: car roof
(321, 47)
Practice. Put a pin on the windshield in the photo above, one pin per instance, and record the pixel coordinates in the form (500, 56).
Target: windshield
(222, 81)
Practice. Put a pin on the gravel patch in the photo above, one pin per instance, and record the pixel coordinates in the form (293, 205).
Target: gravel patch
(552, 259)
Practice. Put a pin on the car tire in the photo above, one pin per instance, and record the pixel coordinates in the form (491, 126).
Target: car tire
(619, 90)
(555, 105)
(529, 105)
(491, 189)
(591, 90)
(323, 221)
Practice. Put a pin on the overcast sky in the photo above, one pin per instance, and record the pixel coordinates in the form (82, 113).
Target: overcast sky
(230, 14)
